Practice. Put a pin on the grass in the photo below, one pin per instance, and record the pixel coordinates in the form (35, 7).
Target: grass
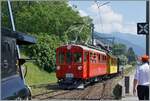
(36, 76)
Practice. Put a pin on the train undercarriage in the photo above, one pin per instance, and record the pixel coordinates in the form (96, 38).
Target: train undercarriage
(72, 83)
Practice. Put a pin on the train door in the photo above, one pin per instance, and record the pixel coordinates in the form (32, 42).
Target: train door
(70, 69)
(77, 64)
(69, 61)
(85, 64)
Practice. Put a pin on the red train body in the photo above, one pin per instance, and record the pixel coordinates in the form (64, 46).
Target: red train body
(81, 63)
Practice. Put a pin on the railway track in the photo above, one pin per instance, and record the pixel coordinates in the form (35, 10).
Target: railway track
(97, 91)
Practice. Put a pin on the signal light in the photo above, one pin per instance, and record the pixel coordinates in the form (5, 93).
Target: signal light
(79, 67)
(58, 68)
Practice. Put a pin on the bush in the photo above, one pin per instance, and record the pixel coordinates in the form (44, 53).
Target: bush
(44, 51)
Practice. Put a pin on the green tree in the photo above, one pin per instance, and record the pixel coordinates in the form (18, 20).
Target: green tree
(52, 17)
(131, 55)
(119, 49)
(48, 21)
(123, 59)
(44, 51)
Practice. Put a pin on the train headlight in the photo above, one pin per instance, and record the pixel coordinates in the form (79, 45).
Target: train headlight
(79, 67)
(58, 67)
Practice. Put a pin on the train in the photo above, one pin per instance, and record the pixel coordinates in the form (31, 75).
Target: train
(78, 65)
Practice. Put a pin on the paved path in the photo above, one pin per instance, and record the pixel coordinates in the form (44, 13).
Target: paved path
(130, 98)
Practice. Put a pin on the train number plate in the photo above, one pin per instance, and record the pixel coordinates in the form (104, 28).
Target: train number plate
(69, 75)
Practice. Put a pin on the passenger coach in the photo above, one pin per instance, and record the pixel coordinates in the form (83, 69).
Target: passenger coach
(82, 63)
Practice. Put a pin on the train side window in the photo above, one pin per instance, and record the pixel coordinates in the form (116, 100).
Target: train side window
(103, 58)
(112, 62)
(85, 56)
(99, 58)
(61, 57)
(94, 57)
(91, 58)
(115, 62)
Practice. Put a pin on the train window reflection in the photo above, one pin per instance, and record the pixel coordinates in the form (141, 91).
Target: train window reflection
(61, 57)
(68, 57)
(77, 57)
(85, 56)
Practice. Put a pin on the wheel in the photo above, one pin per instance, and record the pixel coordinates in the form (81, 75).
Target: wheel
(28, 94)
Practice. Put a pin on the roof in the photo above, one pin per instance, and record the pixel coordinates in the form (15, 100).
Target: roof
(21, 38)
(87, 48)
(90, 49)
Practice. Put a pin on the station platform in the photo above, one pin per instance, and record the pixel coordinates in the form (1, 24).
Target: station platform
(130, 98)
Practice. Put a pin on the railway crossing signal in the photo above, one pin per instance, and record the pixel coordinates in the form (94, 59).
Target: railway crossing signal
(143, 28)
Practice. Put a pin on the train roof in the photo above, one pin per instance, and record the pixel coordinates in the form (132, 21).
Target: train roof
(91, 49)
(87, 48)
(21, 38)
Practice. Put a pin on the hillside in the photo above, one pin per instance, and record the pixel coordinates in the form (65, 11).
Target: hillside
(135, 41)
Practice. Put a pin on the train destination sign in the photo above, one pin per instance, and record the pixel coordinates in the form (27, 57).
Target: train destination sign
(143, 28)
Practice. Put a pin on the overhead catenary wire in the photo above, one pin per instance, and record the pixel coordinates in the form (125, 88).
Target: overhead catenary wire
(99, 13)
(99, 16)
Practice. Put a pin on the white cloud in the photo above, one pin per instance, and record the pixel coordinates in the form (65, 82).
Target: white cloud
(82, 13)
(69, 4)
(106, 20)
(130, 28)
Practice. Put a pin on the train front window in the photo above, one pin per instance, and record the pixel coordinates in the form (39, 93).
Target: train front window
(61, 57)
(77, 57)
(68, 57)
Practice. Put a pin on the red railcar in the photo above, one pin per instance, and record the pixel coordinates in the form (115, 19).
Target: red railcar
(78, 62)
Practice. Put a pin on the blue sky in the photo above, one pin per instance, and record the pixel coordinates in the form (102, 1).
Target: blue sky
(116, 16)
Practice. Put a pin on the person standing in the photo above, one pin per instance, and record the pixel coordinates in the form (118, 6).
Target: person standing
(142, 79)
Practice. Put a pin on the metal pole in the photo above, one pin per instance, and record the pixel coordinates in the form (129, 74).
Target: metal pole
(92, 28)
(12, 22)
(147, 20)
(11, 16)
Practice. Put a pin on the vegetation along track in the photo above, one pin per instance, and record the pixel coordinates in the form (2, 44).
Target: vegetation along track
(97, 91)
